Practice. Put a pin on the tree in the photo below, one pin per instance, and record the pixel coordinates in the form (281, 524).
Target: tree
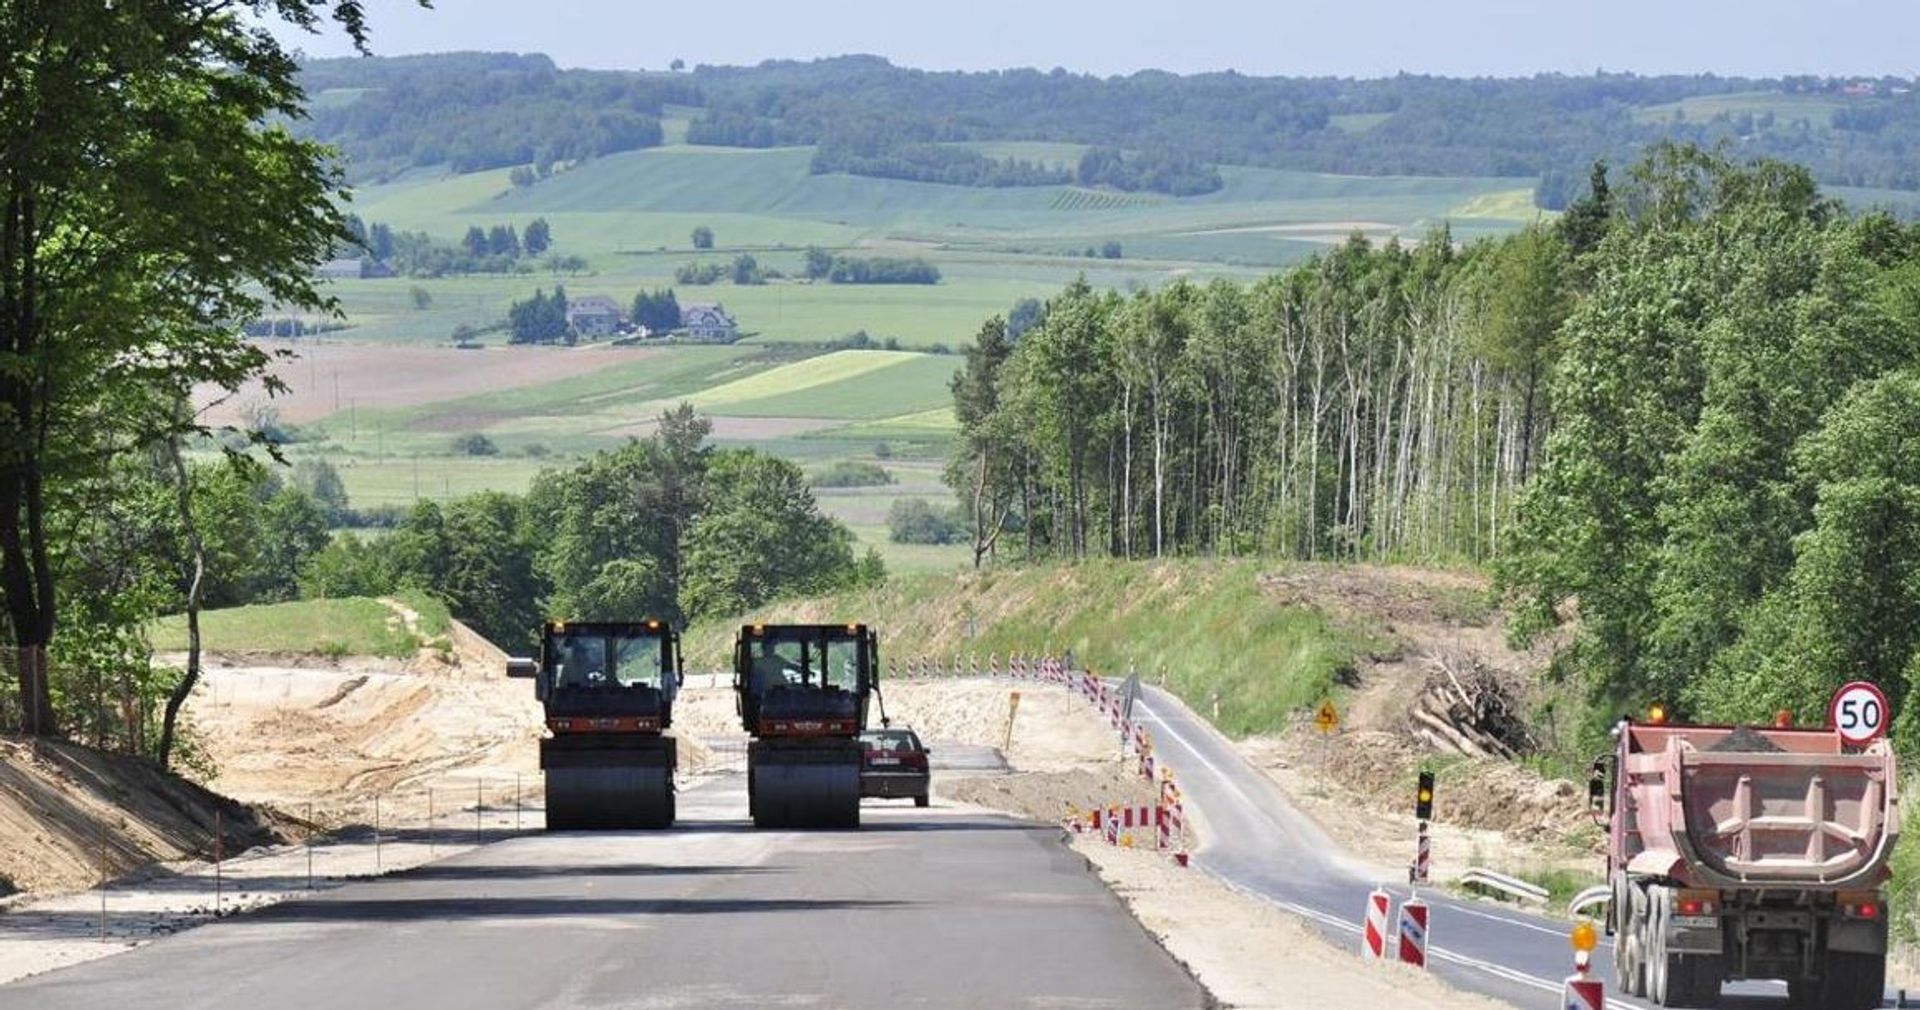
(631, 504)
(538, 237)
(121, 266)
(421, 297)
(819, 262)
(914, 521)
(501, 241)
(658, 311)
(476, 242)
(746, 270)
(321, 482)
(677, 65)
(293, 528)
(380, 241)
(760, 537)
(522, 176)
(984, 471)
(703, 237)
(541, 319)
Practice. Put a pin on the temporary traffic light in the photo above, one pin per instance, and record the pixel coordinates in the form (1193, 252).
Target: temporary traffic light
(1423, 798)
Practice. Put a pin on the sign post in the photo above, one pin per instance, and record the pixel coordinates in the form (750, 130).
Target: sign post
(1327, 720)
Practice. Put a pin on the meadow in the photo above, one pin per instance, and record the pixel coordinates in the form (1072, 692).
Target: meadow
(386, 398)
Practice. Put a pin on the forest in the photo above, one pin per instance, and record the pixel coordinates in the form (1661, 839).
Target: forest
(868, 116)
(1689, 405)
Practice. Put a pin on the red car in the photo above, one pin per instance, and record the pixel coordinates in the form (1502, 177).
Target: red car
(895, 766)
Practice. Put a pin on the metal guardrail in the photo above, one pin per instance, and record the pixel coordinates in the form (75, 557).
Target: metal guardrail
(1477, 876)
(1598, 894)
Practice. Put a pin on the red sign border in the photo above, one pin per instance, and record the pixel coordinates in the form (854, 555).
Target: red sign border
(1833, 712)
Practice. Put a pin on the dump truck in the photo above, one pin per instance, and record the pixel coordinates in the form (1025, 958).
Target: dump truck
(607, 688)
(802, 692)
(1743, 852)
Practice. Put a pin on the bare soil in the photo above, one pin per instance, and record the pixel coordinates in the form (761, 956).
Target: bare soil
(325, 378)
(1488, 812)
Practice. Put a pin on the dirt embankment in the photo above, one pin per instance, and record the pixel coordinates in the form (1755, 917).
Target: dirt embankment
(340, 734)
(71, 816)
(1488, 811)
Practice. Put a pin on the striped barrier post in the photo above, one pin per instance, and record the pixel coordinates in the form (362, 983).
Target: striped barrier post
(957, 668)
(1582, 991)
(1422, 854)
(1413, 933)
(1113, 827)
(993, 664)
(1373, 939)
(893, 668)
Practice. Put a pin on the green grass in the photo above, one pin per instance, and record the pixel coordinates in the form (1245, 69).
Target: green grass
(1208, 624)
(630, 216)
(1817, 109)
(348, 627)
(1906, 877)
(1506, 205)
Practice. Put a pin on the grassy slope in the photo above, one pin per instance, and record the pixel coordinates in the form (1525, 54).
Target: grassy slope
(1209, 625)
(355, 626)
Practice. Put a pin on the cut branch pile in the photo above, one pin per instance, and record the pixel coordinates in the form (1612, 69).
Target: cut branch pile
(1468, 708)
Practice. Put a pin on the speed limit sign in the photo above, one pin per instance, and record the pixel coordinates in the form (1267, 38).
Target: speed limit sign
(1859, 712)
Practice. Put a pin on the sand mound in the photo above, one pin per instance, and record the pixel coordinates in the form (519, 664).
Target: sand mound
(68, 814)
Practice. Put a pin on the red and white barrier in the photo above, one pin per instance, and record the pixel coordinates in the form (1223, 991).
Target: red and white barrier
(1413, 933)
(1582, 992)
(1373, 938)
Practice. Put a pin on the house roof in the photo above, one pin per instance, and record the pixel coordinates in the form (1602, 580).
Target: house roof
(690, 308)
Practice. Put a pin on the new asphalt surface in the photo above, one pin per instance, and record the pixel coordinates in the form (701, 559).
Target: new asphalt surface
(920, 908)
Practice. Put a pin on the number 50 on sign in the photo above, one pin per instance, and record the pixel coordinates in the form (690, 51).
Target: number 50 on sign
(1859, 712)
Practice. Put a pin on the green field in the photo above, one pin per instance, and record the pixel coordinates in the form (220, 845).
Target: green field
(1816, 109)
(630, 216)
(347, 627)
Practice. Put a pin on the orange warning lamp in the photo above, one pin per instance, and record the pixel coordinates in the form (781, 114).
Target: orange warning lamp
(1657, 714)
(1583, 938)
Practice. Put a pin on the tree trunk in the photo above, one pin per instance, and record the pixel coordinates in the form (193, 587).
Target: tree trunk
(183, 689)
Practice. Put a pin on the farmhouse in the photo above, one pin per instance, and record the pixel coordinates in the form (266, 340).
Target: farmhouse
(707, 321)
(594, 316)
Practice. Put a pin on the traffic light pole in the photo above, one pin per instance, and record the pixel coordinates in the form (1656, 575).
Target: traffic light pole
(1423, 813)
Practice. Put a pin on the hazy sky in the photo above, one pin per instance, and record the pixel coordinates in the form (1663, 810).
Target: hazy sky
(1343, 37)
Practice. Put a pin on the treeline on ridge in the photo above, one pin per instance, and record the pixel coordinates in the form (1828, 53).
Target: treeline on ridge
(477, 110)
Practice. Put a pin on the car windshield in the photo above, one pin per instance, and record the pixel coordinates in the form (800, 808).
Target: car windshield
(591, 658)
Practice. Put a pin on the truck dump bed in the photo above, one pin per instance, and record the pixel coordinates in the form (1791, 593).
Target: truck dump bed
(1743, 807)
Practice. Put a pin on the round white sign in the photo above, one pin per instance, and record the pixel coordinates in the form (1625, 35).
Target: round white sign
(1859, 712)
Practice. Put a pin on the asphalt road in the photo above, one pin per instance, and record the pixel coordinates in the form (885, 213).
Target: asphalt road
(1258, 842)
(920, 908)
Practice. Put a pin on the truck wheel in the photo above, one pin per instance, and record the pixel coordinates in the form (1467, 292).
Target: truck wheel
(920, 800)
(1659, 965)
(1636, 939)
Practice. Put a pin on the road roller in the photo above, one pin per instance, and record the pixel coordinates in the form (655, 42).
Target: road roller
(802, 691)
(607, 688)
